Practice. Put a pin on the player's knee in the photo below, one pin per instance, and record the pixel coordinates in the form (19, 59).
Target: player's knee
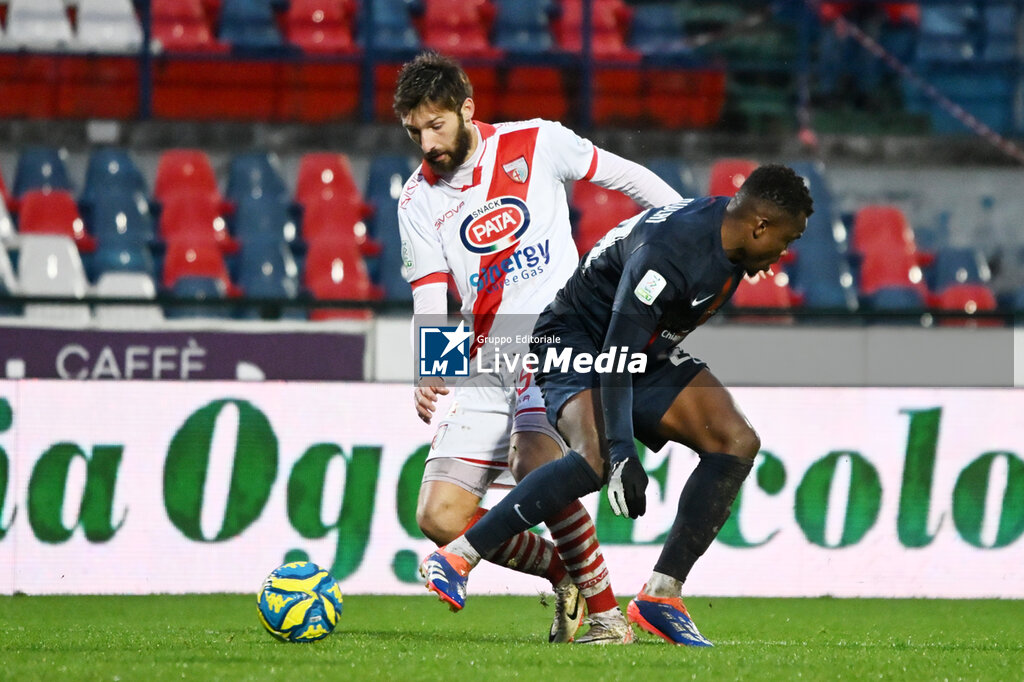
(736, 437)
(438, 523)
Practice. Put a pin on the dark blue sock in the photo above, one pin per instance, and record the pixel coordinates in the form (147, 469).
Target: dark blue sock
(704, 505)
(540, 495)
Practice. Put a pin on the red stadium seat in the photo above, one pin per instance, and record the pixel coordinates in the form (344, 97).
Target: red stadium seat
(182, 26)
(772, 292)
(325, 175)
(321, 26)
(728, 174)
(610, 26)
(895, 268)
(881, 227)
(459, 27)
(335, 271)
(53, 211)
(967, 298)
(185, 171)
(533, 92)
(618, 95)
(684, 98)
(600, 210)
(196, 218)
(188, 259)
(338, 219)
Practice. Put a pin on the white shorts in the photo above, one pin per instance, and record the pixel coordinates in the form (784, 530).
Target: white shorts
(481, 420)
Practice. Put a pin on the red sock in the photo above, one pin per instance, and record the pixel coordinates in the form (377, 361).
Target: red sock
(526, 552)
(576, 539)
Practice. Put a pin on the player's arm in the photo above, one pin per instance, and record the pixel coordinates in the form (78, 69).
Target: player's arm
(643, 186)
(635, 314)
(577, 158)
(425, 267)
(429, 299)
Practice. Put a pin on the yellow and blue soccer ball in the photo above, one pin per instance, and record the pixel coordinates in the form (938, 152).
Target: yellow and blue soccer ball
(299, 602)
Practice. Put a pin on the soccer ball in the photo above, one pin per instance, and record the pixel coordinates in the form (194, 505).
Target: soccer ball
(299, 602)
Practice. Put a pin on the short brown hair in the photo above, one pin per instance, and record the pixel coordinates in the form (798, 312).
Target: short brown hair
(431, 77)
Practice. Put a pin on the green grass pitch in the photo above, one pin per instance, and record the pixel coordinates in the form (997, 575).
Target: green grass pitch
(218, 637)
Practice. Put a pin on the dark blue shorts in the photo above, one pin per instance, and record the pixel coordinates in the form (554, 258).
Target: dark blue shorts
(653, 391)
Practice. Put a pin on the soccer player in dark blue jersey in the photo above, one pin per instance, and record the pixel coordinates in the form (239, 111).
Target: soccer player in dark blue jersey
(635, 296)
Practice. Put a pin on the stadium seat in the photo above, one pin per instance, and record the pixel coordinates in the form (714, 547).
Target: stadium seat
(967, 298)
(822, 276)
(386, 178)
(599, 210)
(264, 218)
(392, 25)
(267, 270)
(111, 170)
(727, 175)
(121, 257)
(773, 293)
(182, 26)
(107, 26)
(322, 26)
(459, 27)
(258, 175)
(684, 98)
(197, 288)
(884, 228)
(38, 25)
(54, 212)
(249, 25)
(533, 92)
(186, 171)
(618, 96)
(325, 175)
(50, 266)
(41, 168)
(658, 29)
(336, 272)
(524, 26)
(957, 265)
(948, 32)
(897, 268)
(609, 25)
(184, 259)
(121, 217)
(195, 218)
(897, 304)
(676, 174)
(1000, 21)
(336, 219)
(127, 285)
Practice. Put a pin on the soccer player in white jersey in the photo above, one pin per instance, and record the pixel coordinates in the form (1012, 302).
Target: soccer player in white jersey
(488, 209)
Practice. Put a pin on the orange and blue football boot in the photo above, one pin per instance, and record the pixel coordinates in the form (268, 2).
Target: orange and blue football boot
(446, 575)
(665, 617)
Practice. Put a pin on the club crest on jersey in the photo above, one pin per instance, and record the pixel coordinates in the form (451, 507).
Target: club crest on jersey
(497, 225)
(517, 169)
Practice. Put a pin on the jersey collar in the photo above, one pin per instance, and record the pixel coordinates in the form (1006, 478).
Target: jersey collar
(486, 130)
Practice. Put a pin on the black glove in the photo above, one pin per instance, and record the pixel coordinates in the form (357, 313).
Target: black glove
(627, 488)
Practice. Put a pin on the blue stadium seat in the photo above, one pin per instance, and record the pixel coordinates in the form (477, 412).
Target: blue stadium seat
(111, 169)
(264, 218)
(948, 32)
(116, 216)
(658, 29)
(40, 167)
(386, 177)
(822, 275)
(191, 288)
(999, 41)
(256, 174)
(524, 26)
(258, 260)
(957, 265)
(906, 301)
(679, 177)
(249, 25)
(121, 257)
(392, 27)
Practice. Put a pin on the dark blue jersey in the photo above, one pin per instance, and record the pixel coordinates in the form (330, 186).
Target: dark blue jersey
(645, 286)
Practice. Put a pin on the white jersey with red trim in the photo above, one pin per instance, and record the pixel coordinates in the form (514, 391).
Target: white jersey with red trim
(500, 224)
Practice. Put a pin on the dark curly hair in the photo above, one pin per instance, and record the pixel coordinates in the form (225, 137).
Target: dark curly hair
(780, 185)
(431, 77)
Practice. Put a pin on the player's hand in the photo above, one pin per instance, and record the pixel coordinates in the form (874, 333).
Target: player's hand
(627, 488)
(426, 394)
